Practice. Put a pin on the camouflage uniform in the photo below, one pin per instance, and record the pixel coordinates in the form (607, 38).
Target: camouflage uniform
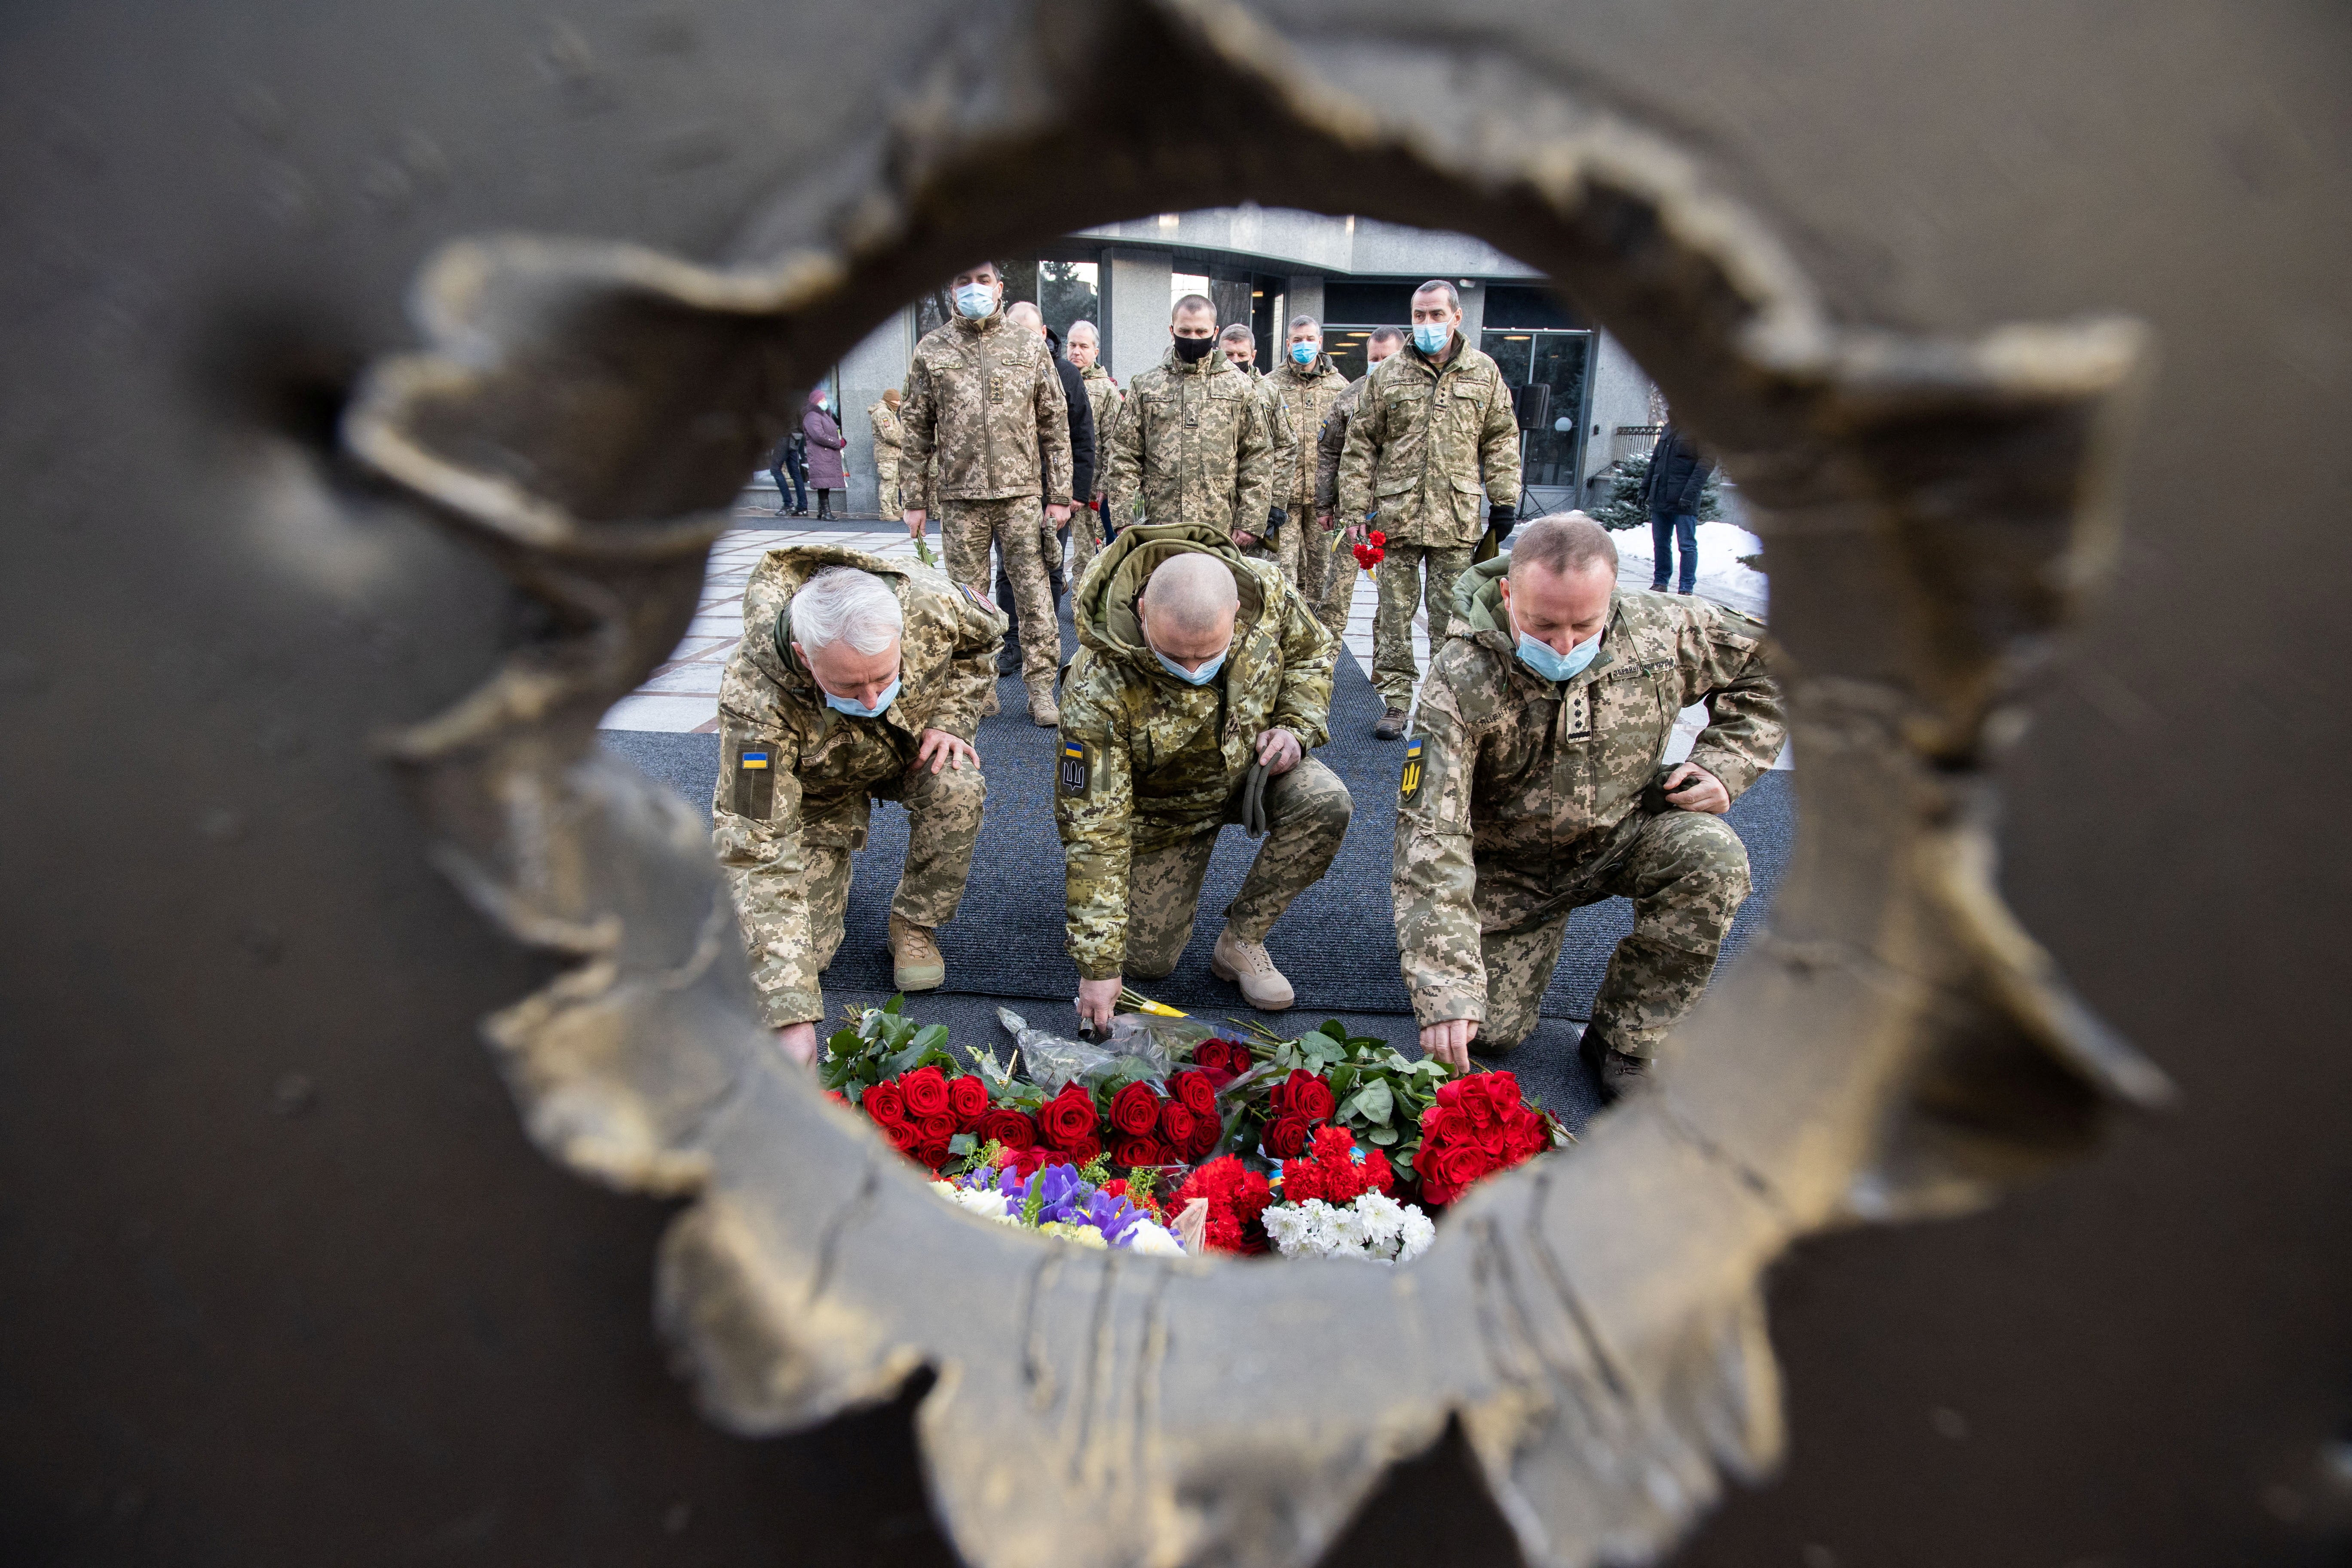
(1086, 534)
(1419, 441)
(1151, 768)
(1195, 442)
(984, 398)
(884, 420)
(1284, 433)
(784, 830)
(1330, 441)
(1304, 545)
(1522, 801)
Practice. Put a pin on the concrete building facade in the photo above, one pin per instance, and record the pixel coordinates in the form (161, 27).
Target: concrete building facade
(1265, 265)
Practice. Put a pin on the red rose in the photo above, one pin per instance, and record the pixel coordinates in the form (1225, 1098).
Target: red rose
(1176, 1123)
(933, 1154)
(1309, 1098)
(937, 1128)
(1067, 1116)
(1134, 1151)
(903, 1136)
(926, 1090)
(1206, 1134)
(1504, 1087)
(1077, 1152)
(1135, 1110)
(1197, 1093)
(885, 1104)
(967, 1101)
(1022, 1163)
(1462, 1164)
(1007, 1127)
(1286, 1136)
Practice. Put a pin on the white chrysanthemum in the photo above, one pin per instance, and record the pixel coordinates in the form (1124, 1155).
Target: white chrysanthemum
(1382, 1219)
(1416, 1236)
(1152, 1240)
(985, 1202)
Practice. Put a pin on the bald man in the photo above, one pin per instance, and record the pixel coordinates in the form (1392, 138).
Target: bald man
(1196, 664)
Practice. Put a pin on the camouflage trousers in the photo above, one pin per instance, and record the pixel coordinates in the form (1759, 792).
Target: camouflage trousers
(1394, 671)
(1085, 541)
(1324, 577)
(1686, 873)
(1015, 525)
(942, 827)
(886, 479)
(1306, 812)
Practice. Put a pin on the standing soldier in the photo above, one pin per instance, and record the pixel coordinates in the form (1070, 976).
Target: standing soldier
(1534, 784)
(1431, 423)
(1193, 436)
(856, 678)
(1304, 386)
(1104, 395)
(1240, 349)
(984, 395)
(1330, 441)
(884, 417)
(1201, 682)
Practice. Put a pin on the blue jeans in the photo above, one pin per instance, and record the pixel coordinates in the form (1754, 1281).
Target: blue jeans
(1663, 532)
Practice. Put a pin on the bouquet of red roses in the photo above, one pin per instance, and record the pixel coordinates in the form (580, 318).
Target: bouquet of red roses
(1478, 1126)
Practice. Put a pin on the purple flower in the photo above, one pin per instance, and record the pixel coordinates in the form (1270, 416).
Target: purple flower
(1114, 1217)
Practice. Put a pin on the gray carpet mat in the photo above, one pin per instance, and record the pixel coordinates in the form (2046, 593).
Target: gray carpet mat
(1336, 943)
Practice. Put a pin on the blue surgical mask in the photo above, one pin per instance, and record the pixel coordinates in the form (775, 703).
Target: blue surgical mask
(822, 404)
(1552, 665)
(1430, 337)
(975, 299)
(858, 709)
(1304, 354)
(1200, 676)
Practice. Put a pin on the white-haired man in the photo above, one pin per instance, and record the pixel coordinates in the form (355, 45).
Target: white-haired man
(857, 680)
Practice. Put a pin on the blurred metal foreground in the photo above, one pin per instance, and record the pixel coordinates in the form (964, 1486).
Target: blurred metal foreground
(311, 605)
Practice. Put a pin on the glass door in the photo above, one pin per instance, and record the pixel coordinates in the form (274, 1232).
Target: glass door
(1552, 456)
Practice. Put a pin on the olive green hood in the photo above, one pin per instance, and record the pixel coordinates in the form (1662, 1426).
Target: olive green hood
(1105, 614)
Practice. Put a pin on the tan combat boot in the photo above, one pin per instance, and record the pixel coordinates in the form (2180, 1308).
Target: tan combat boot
(915, 960)
(1246, 963)
(1043, 711)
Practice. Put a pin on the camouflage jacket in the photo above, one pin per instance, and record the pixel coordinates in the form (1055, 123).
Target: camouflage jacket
(1330, 442)
(1503, 762)
(985, 397)
(1196, 440)
(1421, 440)
(793, 772)
(1304, 397)
(1148, 761)
(1106, 398)
(886, 433)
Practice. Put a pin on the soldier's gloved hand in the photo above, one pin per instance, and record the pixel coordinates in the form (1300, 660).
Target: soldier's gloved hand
(1449, 1042)
(1279, 750)
(1098, 1000)
(799, 1042)
(1502, 516)
(1692, 788)
(1275, 518)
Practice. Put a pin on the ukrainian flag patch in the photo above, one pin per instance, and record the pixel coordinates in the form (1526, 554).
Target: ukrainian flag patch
(755, 782)
(754, 759)
(1410, 786)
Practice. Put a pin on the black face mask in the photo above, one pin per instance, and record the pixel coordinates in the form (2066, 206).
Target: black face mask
(1193, 351)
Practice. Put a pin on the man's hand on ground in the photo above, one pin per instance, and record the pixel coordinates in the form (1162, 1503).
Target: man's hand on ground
(1278, 750)
(1449, 1042)
(913, 518)
(1097, 999)
(1701, 791)
(942, 750)
(799, 1041)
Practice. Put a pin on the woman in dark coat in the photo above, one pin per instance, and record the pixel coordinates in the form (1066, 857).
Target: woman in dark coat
(825, 442)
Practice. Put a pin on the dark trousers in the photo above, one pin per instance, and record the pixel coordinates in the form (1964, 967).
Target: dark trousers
(1664, 533)
(1007, 603)
(797, 468)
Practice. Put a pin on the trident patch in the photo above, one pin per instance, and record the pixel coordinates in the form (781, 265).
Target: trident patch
(1409, 789)
(1077, 770)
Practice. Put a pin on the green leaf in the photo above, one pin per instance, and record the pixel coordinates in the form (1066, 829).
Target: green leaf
(895, 1006)
(1333, 1027)
(932, 1038)
(1374, 1102)
(962, 1143)
(1383, 1136)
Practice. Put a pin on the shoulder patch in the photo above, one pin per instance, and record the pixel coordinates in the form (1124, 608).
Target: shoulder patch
(755, 780)
(1409, 787)
(1075, 776)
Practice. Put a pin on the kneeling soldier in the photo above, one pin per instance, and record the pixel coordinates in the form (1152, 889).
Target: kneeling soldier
(1543, 727)
(1196, 666)
(858, 678)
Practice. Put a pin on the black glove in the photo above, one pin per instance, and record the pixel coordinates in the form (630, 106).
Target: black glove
(1275, 518)
(1502, 517)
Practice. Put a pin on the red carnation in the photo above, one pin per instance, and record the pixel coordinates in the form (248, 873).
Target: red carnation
(1379, 539)
(1135, 1110)
(967, 1101)
(1285, 1137)
(1197, 1093)
(926, 1089)
(1177, 1123)
(885, 1104)
(1138, 1152)
(1068, 1117)
(1237, 1197)
(1007, 1127)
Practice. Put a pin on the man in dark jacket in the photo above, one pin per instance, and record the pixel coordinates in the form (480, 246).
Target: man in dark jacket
(1021, 314)
(1678, 475)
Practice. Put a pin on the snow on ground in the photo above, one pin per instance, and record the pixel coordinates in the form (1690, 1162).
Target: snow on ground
(1721, 577)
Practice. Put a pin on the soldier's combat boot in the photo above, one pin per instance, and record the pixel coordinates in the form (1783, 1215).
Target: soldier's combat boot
(1390, 727)
(1246, 964)
(1614, 1073)
(1043, 711)
(915, 960)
